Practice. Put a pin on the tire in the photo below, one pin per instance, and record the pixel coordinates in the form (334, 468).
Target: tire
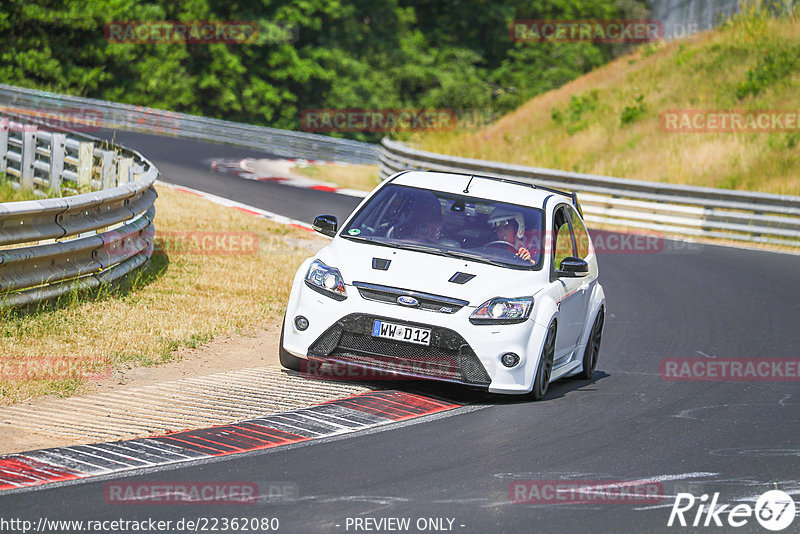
(593, 347)
(541, 380)
(289, 361)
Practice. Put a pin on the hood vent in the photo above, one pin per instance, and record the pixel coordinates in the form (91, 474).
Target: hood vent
(461, 278)
(380, 264)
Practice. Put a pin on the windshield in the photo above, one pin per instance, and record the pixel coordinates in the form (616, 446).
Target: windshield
(453, 225)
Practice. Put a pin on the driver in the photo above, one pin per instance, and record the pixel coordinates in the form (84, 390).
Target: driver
(509, 226)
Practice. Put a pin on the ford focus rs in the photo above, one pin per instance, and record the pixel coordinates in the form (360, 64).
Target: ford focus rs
(480, 281)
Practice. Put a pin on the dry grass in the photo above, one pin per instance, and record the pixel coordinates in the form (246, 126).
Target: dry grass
(361, 177)
(702, 72)
(185, 299)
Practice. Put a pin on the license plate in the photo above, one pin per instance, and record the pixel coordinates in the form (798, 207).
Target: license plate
(399, 332)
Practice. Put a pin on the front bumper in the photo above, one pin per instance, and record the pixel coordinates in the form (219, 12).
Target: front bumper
(448, 357)
(452, 358)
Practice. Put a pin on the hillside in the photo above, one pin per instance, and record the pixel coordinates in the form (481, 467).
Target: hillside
(609, 121)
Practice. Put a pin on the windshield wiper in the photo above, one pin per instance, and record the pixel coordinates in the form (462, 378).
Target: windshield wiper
(475, 257)
(423, 248)
(404, 246)
(372, 241)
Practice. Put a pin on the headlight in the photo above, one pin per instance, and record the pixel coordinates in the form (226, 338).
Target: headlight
(502, 311)
(326, 280)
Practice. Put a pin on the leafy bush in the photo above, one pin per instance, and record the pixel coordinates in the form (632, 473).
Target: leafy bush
(635, 112)
(770, 69)
(572, 117)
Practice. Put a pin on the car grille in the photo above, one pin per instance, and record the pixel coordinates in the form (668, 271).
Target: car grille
(427, 301)
(448, 357)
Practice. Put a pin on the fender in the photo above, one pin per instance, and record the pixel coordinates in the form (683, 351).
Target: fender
(294, 297)
(545, 309)
(596, 301)
(546, 313)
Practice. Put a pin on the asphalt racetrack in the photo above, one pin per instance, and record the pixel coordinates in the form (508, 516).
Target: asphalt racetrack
(453, 471)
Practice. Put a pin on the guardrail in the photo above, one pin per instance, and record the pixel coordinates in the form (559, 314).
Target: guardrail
(53, 246)
(112, 115)
(665, 208)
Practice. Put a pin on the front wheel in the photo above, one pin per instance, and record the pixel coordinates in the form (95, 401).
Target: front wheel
(542, 379)
(288, 360)
(593, 347)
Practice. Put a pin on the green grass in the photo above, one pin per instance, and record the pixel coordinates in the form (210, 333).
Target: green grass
(608, 122)
(10, 194)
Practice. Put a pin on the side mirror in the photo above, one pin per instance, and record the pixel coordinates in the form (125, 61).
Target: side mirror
(572, 268)
(326, 225)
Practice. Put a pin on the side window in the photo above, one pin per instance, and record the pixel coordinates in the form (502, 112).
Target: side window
(562, 238)
(581, 235)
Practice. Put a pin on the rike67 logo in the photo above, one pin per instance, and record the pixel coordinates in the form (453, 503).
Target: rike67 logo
(774, 510)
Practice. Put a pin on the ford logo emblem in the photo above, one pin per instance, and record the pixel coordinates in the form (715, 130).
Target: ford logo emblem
(405, 300)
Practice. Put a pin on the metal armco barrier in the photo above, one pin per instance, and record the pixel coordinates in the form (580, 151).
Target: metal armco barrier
(655, 207)
(112, 115)
(98, 234)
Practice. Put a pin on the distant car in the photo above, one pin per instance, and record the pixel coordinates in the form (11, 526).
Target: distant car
(480, 281)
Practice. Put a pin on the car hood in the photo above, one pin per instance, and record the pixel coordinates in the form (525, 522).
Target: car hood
(429, 273)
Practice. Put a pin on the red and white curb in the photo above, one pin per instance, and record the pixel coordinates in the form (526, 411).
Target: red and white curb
(244, 168)
(251, 210)
(342, 416)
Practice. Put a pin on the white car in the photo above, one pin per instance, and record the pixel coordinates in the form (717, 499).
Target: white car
(485, 282)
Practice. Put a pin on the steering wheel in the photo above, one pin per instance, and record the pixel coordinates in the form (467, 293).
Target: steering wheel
(499, 242)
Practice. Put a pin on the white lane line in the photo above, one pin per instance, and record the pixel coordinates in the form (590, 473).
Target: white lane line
(238, 205)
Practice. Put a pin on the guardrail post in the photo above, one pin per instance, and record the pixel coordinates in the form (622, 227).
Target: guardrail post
(124, 171)
(107, 169)
(4, 123)
(136, 172)
(58, 143)
(85, 164)
(28, 156)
